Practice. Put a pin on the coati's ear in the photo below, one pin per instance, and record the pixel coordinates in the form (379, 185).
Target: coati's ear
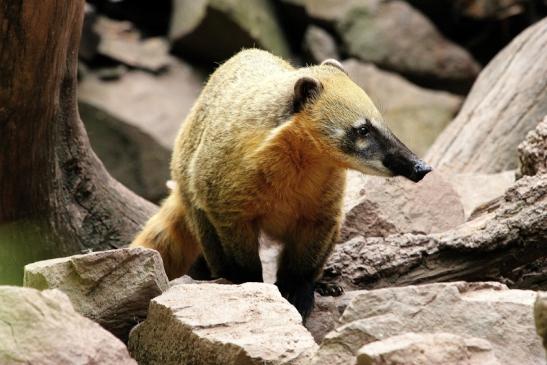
(334, 63)
(305, 89)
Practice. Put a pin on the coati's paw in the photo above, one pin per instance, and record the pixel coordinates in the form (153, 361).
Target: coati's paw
(328, 289)
(300, 294)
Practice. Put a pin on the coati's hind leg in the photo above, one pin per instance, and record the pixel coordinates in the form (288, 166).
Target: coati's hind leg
(302, 259)
(232, 252)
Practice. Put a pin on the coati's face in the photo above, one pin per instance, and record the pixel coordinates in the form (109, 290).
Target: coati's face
(351, 128)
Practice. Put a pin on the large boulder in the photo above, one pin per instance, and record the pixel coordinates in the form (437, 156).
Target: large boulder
(156, 104)
(395, 36)
(42, 328)
(112, 287)
(221, 324)
(131, 156)
(379, 207)
(416, 115)
(506, 102)
(427, 349)
(506, 242)
(488, 311)
(213, 30)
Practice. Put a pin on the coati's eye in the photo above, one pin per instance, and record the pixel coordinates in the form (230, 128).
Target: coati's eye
(363, 130)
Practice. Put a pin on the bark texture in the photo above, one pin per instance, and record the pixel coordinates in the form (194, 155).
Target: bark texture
(56, 198)
(507, 243)
(505, 103)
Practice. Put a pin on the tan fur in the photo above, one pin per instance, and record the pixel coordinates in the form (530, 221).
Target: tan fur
(248, 164)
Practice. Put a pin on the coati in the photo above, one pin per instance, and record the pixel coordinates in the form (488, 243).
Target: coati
(265, 148)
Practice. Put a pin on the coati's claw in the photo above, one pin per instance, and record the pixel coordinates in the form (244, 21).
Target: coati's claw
(328, 289)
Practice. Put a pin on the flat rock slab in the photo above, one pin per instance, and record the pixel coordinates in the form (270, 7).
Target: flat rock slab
(485, 310)
(42, 328)
(221, 324)
(428, 349)
(112, 287)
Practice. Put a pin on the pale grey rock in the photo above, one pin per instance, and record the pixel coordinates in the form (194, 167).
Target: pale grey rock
(42, 328)
(488, 311)
(221, 324)
(112, 287)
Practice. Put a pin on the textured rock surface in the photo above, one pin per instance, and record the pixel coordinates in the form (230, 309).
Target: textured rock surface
(540, 316)
(214, 30)
(377, 206)
(319, 45)
(157, 104)
(477, 189)
(122, 42)
(397, 37)
(111, 287)
(533, 151)
(428, 349)
(326, 312)
(229, 324)
(43, 328)
(416, 115)
(132, 156)
(485, 310)
(506, 102)
(494, 245)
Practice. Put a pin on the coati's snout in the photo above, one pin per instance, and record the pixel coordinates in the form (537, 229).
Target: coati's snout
(411, 168)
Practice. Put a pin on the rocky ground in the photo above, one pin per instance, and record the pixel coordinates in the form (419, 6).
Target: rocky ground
(452, 270)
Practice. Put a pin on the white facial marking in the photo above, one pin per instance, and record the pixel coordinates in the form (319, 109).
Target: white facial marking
(358, 123)
(361, 144)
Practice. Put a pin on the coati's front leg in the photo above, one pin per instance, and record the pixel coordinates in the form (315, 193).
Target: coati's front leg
(302, 261)
(231, 250)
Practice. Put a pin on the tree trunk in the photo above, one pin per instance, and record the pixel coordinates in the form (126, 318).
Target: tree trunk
(506, 102)
(56, 198)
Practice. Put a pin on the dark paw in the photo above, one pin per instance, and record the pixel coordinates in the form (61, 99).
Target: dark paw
(298, 293)
(328, 289)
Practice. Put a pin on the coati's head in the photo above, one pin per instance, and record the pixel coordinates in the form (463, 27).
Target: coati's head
(349, 126)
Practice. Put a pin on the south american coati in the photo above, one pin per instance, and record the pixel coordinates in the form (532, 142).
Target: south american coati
(265, 148)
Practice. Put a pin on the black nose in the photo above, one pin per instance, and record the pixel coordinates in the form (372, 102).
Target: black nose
(420, 170)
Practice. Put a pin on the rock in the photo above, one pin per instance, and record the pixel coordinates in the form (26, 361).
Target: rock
(397, 37)
(131, 156)
(507, 243)
(112, 287)
(506, 102)
(121, 41)
(211, 31)
(221, 324)
(42, 328)
(533, 151)
(416, 115)
(333, 11)
(326, 312)
(477, 189)
(319, 45)
(488, 311)
(540, 316)
(157, 104)
(427, 349)
(378, 207)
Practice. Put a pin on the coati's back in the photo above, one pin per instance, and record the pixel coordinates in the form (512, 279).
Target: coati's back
(242, 101)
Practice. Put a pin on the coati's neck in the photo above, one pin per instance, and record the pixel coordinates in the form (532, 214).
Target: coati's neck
(293, 156)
